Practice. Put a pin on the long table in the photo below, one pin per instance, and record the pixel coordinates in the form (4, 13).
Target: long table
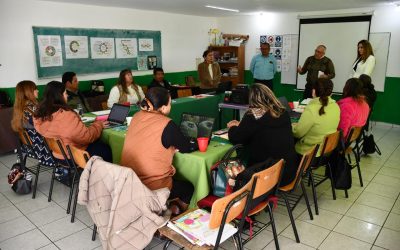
(193, 167)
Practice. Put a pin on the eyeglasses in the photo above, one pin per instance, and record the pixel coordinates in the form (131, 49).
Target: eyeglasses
(319, 51)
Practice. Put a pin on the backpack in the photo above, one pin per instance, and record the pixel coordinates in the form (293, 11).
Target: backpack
(5, 100)
(20, 179)
(368, 146)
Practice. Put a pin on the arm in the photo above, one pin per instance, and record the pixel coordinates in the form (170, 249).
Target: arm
(331, 70)
(244, 132)
(304, 69)
(304, 125)
(274, 64)
(79, 133)
(253, 64)
(217, 76)
(345, 118)
(113, 97)
(173, 137)
(369, 65)
(141, 93)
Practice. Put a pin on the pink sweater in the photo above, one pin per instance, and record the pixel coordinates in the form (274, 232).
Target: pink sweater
(352, 113)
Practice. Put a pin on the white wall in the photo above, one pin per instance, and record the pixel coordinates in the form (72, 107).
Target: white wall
(183, 37)
(385, 19)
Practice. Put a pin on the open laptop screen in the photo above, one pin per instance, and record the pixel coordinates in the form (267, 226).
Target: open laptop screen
(118, 113)
(195, 126)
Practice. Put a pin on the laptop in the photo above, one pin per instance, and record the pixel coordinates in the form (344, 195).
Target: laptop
(194, 126)
(222, 87)
(285, 103)
(117, 115)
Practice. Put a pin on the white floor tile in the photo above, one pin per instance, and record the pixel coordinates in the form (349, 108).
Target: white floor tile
(9, 213)
(339, 241)
(374, 200)
(287, 244)
(47, 215)
(79, 240)
(388, 239)
(325, 219)
(15, 227)
(357, 229)
(309, 234)
(368, 214)
(30, 240)
(383, 190)
(61, 228)
(393, 222)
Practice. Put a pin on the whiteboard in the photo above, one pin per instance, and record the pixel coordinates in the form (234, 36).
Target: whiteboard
(380, 44)
(289, 65)
(341, 40)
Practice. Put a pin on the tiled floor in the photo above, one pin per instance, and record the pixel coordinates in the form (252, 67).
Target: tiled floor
(368, 219)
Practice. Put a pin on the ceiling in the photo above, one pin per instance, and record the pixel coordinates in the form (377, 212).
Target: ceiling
(197, 7)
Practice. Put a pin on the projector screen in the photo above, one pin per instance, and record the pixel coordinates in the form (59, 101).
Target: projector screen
(340, 35)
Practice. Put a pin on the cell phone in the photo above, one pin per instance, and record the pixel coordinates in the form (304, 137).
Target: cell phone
(221, 132)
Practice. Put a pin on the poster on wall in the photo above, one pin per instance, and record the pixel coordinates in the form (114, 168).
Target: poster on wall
(50, 51)
(146, 44)
(76, 47)
(102, 48)
(152, 62)
(142, 63)
(126, 47)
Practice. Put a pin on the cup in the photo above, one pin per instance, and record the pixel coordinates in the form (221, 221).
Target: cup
(296, 104)
(128, 120)
(203, 143)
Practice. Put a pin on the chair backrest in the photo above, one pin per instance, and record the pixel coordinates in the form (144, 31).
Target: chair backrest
(24, 138)
(54, 147)
(305, 163)
(267, 179)
(225, 209)
(330, 143)
(79, 157)
(354, 134)
(40, 147)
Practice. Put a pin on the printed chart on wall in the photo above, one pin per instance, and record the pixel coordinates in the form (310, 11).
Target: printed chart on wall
(284, 48)
(87, 51)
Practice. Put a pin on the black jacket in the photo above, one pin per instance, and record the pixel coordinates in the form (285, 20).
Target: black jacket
(168, 86)
(265, 138)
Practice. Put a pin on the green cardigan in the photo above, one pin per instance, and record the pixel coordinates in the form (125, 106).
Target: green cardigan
(312, 127)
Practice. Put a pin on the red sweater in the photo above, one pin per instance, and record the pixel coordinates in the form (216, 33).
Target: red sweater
(352, 113)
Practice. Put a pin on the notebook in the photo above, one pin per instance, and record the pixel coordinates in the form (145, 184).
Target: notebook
(117, 115)
(194, 126)
(285, 103)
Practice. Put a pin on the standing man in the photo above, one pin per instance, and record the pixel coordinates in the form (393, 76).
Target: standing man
(316, 66)
(263, 66)
(75, 97)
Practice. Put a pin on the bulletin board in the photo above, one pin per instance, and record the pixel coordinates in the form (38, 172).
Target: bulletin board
(86, 51)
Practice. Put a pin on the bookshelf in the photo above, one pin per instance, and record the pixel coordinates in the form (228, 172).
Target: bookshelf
(231, 62)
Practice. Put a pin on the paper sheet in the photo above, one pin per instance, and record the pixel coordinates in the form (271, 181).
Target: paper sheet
(50, 51)
(102, 112)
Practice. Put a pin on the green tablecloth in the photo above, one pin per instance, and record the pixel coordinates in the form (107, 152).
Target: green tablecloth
(193, 167)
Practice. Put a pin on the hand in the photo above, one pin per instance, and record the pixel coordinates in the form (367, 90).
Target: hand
(233, 123)
(323, 76)
(299, 69)
(104, 124)
(294, 124)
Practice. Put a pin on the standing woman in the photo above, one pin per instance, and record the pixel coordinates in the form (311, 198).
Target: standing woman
(26, 94)
(365, 62)
(266, 131)
(55, 119)
(209, 73)
(125, 90)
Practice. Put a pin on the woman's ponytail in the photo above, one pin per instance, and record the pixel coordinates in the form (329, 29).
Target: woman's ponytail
(323, 90)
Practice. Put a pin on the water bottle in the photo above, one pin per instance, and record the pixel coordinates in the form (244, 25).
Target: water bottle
(80, 109)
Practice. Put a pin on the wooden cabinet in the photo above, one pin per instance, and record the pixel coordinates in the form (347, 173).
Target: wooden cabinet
(231, 62)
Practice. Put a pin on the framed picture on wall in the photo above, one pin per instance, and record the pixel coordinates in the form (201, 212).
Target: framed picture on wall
(151, 62)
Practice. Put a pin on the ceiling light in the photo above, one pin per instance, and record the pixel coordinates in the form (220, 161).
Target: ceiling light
(221, 8)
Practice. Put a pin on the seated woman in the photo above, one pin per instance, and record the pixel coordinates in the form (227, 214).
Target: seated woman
(354, 109)
(126, 90)
(150, 144)
(26, 94)
(320, 118)
(266, 130)
(55, 119)
(368, 90)
(159, 81)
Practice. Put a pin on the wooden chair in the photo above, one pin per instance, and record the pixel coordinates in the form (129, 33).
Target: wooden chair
(184, 92)
(224, 210)
(264, 185)
(104, 105)
(354, 136)
(287, 192)
(329, 144)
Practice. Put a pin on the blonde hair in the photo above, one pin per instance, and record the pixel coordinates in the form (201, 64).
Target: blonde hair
(24, 94)
(262, 98)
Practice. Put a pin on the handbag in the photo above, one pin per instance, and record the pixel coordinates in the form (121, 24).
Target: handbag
(369, 144)
(20, 179)
(341, 168)
(224, 173)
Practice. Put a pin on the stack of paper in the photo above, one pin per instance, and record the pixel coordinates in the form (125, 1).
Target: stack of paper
(194, 227)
